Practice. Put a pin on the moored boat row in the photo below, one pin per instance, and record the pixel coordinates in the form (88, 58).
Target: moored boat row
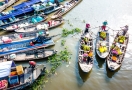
(29, 42)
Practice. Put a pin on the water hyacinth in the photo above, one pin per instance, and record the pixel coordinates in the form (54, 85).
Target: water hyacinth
(63, 42)
(66, 32)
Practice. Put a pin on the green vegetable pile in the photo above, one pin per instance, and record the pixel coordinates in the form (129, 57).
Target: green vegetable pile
(121, 39)
(85, 47)
(103, 35)
(86, 39)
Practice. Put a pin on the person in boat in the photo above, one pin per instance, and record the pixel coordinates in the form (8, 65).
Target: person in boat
(32, 64)
(104, 25)
(125, 29)
(87, 28)
(32, 43)
(57, 2)
(38, 40)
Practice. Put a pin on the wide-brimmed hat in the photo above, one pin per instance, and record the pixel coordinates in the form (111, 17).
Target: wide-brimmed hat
(126, 26)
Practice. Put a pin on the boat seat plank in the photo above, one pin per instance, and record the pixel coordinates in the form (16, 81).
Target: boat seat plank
(28, 75)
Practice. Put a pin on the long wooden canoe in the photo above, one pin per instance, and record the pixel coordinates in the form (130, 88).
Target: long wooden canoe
(117, 52)
(17, 37)
(39, 42)
(102, 44)
(43, 25)
(34, 54)
(65, 9)
(85, 57)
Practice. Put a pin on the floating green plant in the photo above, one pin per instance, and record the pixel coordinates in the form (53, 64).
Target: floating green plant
(63, 42)
(55, 61)
(66, 32)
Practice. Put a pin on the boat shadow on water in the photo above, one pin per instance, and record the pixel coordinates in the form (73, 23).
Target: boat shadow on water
(99, 60)
(110, 73)
(80, 75)
(84, 76)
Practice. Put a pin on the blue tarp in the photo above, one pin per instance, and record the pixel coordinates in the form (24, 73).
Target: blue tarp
(15, 13)
(29, 3)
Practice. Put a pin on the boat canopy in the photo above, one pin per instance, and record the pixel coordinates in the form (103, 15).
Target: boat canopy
(16, 13)
(5, 68)
(29, 3)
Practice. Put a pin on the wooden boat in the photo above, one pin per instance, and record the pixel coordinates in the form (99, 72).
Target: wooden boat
(6, 5)
(65, 9)
(85, 57)
(117, 52)
(52, 9)
(18, 77)
(102, 44)
(17, 37)
(34, 54)
(33, 20)
(14, 47)
(44, 25)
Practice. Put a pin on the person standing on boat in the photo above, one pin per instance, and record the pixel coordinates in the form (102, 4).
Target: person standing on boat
(104, 25)
(87, 28)
(125, 29)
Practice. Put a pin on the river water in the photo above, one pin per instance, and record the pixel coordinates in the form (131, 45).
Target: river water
(69, 76)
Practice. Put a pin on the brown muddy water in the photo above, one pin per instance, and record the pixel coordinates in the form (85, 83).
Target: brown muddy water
(69, 76)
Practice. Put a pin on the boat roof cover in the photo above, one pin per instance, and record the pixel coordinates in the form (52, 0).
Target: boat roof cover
(5, 68)
(15, 13)
(31, 2)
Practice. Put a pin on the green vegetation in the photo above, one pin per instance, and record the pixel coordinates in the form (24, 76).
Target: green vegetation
(66, 32)
(63, 42)
(103, 35)
(55, 61)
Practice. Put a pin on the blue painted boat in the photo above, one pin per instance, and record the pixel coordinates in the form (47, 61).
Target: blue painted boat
(38, 42)
(32, 20)
(17, 37)
(28, 3)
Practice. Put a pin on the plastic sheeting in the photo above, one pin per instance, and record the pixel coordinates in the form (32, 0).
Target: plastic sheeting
(15, 13)
(24, 4)
(5, 68)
